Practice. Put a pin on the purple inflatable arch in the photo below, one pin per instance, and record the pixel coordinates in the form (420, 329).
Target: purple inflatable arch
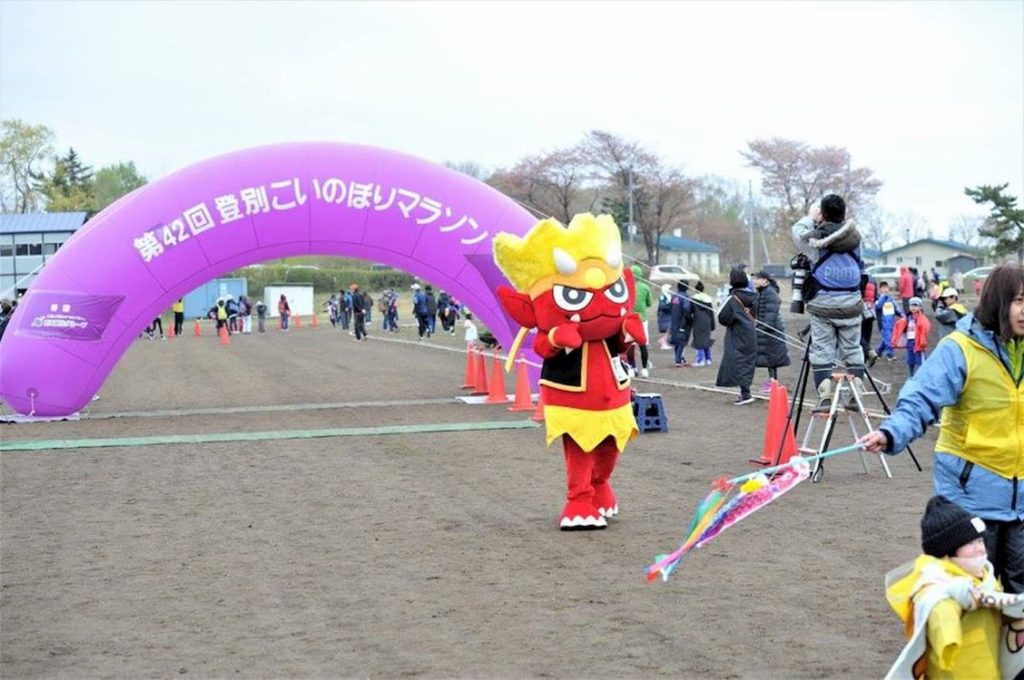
(134, 259)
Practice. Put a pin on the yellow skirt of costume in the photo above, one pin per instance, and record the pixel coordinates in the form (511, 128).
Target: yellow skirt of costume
(589, 428)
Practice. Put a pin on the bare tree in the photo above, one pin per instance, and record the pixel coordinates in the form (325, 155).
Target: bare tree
(907, 226)
(875, 227)
(556, 184)
(795, 174)
(471, 168)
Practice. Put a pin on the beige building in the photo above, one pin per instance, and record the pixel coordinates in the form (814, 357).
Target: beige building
(702, 258)
(930, 252)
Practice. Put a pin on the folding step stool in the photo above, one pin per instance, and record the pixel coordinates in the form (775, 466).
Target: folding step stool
(844, 390)
(649, 413)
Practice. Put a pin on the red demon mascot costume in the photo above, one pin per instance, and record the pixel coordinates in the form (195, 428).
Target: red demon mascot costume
(571, 286)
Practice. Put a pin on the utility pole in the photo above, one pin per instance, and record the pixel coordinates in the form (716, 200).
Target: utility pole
(750, 224)
(630, 228)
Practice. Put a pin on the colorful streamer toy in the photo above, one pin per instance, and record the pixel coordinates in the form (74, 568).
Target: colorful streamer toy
(722, 508)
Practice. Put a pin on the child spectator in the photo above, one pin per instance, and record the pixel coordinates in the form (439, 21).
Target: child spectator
(703, 324)
(475, 338)
(285, 311)
(949, 311)
(737, 316)
(261, 316)
(664, 315)
(912, 332)
(945, 600)
(680, 322)
(887, 312)
(222, 316)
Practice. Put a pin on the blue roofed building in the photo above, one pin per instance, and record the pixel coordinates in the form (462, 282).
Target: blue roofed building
(27, 242)
(694, 255)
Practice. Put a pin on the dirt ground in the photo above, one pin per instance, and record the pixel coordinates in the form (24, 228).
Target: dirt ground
(433, 555)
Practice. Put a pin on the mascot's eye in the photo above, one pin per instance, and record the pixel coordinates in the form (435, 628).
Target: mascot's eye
(571, 299)
(617, 292)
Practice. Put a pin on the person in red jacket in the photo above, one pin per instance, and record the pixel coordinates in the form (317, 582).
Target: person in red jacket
(906, 288)
(912, 330)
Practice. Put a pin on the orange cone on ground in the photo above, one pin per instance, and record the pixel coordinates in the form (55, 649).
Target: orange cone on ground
(314, 322)
(224, 339)
(775, 428)
(496, 393)
(469, 381)
(538, 415)
(479, 374)
(197, 330)
(789, 442)
(170, 329)
(523, 401)
(298, 321)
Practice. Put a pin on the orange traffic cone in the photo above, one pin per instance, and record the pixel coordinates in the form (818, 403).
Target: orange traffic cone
(775, 431)
(538, 415)
(197, 330)
(789, 437)
(170, 329)
(469, 380)
(479, 374)
(298, 321)
(224, 339)
(314, 322)
(496, 393)
(524, 401)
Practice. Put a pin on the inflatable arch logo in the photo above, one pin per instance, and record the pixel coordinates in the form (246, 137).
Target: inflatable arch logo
(134, 259)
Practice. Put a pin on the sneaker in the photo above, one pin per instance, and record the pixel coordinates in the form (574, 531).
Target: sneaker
(678, 365)
(872, 357)
(743, 401)
(766, 388)
(644, 373)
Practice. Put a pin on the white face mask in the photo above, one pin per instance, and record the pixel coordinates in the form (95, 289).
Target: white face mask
(975, 566)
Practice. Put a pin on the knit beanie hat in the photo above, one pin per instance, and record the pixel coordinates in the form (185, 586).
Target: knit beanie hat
(946, 526)
(738, 279)
(915, 302)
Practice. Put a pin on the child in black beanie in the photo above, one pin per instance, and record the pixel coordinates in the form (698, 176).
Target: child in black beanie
(949, 600)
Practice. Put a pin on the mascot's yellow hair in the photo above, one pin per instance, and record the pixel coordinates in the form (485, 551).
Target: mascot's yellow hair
(586, 254)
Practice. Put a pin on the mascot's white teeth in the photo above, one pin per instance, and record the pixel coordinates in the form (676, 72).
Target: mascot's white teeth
(575, 318)
(622, 311)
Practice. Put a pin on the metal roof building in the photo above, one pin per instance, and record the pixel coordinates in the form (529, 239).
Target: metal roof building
(27, 241)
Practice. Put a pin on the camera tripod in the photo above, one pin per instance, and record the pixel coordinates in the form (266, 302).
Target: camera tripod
(846, 396)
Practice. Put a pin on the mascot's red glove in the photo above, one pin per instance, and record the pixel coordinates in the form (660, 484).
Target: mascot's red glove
(566, 336)
(633, 329)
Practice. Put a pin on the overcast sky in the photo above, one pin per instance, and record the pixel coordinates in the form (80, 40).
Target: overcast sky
(930, 95)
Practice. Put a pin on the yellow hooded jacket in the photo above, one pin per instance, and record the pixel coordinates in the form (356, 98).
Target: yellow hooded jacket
(960, 645)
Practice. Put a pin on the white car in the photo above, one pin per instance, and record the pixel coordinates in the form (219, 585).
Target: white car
(884, 272)
(979, 273)
(672, 273)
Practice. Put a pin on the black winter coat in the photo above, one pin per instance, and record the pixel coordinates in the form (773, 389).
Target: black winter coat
(771, 330)
(703, 321)
(737, 368)
(681, 319)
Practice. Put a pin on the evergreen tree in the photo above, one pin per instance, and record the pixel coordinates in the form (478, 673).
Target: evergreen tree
(1005, 222)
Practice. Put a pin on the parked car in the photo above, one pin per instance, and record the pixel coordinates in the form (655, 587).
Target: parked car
(979, 273)
(776, 271)
(884, 272)
(672, 273)
(974, 275)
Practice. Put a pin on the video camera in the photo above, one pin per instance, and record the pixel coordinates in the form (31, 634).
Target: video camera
(801, 266)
